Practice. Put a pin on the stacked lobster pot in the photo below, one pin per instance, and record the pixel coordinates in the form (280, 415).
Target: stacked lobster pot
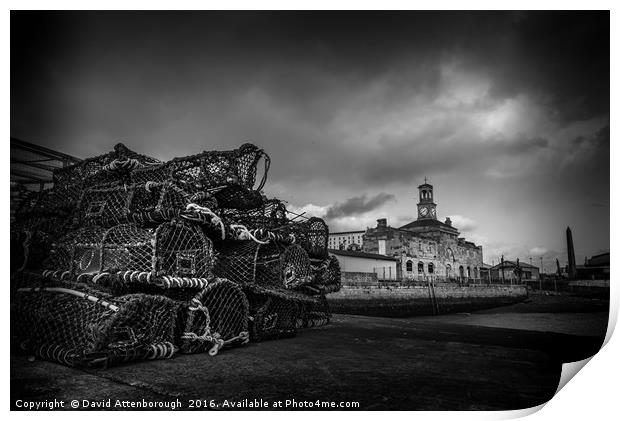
(129, 258)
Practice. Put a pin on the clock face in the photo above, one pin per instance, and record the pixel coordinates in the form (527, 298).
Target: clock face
(424, 211)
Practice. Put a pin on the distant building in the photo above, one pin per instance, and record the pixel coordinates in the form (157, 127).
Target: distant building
(595, 268)
(426, 248)
(346, 240)
(359, 262)
(507, 272)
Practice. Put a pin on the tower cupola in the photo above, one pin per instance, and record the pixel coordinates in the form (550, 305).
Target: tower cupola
(427, 209)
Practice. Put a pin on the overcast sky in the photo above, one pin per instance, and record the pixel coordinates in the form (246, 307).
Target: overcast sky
(507, 114)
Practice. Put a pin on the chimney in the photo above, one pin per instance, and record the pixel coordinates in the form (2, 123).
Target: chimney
(382, 223)
(448, 221)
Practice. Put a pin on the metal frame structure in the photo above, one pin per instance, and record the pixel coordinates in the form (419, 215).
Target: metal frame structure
(32, 165)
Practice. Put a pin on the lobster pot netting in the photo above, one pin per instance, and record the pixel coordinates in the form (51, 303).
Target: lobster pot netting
(82, 327)
(109, 168)
(270, 215)
(214, 169)
(280, 314)
(31, 240)
(216, 316)
(327, 277)
(175, 248)
(265, 265)
(312, 235)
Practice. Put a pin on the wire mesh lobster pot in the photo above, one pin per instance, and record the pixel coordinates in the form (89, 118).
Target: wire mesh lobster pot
(270, 215)
(327, 277)
(266, 265)
(83, 327)
(311, 234)
(55, 202)
(32, 239)
(229, 175)
(215, 317)
(103, 170)
(280, 314)
(174, 248)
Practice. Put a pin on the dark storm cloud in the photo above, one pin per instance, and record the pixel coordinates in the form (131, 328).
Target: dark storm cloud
(358, 205)
(345, 103)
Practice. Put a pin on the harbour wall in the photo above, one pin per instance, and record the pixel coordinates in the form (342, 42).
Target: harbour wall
(414, 300)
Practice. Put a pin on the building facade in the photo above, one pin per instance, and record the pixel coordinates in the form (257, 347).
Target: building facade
(346, 240)
(506, 272)
(383, 267)
(426, 248)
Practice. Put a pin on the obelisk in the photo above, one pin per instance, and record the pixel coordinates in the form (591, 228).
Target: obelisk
(570, 249)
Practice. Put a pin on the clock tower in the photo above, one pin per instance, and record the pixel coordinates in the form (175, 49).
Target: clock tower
(426, 205)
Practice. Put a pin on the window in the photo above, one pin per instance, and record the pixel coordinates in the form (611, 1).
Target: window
(409, 266)
(420, 267)
(431, 268)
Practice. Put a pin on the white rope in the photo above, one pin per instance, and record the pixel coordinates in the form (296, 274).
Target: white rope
(215, 219)
(242, 233)
(73, 292)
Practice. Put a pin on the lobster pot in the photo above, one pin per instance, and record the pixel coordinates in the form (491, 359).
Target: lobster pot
(32, 239)
(156, 202)
(314, 313)
(183, 250)
(280, 314)
(265, 265)
(214, 169)
(271, 215)
(175, 248)
(272, 315)
(104, 206)
(312, 235)
(217, 316)
(327, 277)
(106, 169)
(54, 202)
(77, 253)
(127, 247)
(85, 327)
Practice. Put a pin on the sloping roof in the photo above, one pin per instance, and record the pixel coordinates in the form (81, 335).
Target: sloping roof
(346, 232)
(511, 263)
(427, 223)
(361, 254)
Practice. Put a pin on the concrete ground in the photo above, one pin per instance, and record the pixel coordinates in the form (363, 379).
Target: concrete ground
(494, 360)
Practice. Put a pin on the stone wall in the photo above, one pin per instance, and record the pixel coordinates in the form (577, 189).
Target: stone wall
(358, 278)
(402, 301)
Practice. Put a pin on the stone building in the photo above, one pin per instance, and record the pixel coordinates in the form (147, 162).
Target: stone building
(426, 247)
(346, 240)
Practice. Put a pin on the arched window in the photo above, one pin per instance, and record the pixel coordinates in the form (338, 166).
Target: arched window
(468, 272)
(420, 267)
(476, 275)
(431, 268)
(461, 272)
(409, 266)
(448, 271)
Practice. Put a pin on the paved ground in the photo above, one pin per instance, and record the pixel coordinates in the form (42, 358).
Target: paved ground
(501, 360)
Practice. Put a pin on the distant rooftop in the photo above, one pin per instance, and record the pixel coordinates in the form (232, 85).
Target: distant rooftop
(362, 254)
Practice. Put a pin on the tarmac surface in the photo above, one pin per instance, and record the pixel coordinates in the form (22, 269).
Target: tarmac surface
(507, 358)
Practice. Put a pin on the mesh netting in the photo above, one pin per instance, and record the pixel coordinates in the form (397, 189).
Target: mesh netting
(82, 327)
(129, 258)
(280, 314)
(217, 316)
(266, 265)
(175, 248)
(108, 169)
